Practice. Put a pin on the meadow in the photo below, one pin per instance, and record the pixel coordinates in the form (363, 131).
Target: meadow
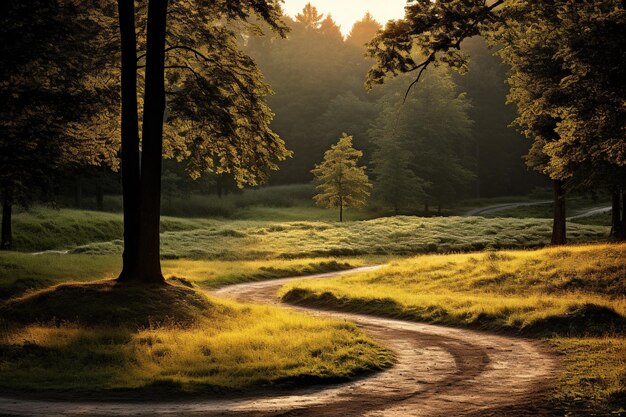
(572, 296)
(100, 234)
(111, 341)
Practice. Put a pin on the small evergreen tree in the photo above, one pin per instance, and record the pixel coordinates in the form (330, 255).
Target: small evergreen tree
(340, 181)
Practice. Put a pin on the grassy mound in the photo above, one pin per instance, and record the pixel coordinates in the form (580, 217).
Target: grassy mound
(572, 295)
(170, 340)
(568, 291)
(21, 272)
(109, 303)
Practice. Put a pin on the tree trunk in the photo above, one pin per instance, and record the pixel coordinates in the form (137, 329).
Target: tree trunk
(340, 209)
(99, 197)
(148, 261)
(426, 209)
(131, 184)
(617, 219)
(559, 223)
(6, 242)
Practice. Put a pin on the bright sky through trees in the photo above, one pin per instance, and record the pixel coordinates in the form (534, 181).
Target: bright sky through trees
(346, 12)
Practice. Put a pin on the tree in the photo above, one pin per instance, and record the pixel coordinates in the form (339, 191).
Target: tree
(341, 182)
(218, 119)
(396, 185)
(433, 125)
(310, 18)
(577, 39)
(46, 96)
(363, 31)
(314, 72)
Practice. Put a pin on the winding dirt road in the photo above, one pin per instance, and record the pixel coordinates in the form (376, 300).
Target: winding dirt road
(440, 371)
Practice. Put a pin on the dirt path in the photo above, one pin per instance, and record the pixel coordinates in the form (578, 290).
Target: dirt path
(440, 371)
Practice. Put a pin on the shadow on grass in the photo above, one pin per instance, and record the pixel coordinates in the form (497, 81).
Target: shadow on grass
(110, 303)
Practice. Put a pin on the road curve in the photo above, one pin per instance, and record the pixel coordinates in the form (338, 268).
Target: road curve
(440, 371)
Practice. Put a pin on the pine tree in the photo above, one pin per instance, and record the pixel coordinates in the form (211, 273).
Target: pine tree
(310, 17)
(341, 182)
(363, 31)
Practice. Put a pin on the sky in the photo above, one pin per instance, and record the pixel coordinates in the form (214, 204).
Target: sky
(346, 12)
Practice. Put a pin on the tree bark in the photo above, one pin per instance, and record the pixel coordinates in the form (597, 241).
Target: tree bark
(618, 231)
(148, 268)
(340, 209)
(559, 223)
(6, 242)
(131, 183)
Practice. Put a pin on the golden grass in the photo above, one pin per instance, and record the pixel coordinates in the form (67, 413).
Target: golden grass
(572, 290)
(228, 346)
(548, 289)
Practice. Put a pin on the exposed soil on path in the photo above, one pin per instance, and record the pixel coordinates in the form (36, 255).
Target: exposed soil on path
(440, 371)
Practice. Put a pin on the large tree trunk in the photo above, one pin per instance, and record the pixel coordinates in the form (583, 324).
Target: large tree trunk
(130, 138)
(618, 227)
(148, 262)
(559, 224)
(6, 242)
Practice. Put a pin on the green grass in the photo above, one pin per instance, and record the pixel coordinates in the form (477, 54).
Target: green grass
(43, 229)
(573, 295)
(594, 373)
(170, 340)
(246, 240)
(21, 272)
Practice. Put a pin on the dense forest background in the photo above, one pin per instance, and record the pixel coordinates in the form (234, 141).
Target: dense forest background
(453, 130)
(318, 78)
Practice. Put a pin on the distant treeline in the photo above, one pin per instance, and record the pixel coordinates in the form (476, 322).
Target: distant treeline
(318, 77)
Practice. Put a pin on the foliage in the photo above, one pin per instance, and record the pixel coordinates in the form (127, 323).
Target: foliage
(44, 94)
(396, 185)
(341, 183)
(565, 73)
(433, 130)
(218, 120)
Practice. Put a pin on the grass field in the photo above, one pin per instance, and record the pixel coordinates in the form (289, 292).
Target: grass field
(21, 272)
(99, 337)
(281, 232)
(573, 295)
(398, 236)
